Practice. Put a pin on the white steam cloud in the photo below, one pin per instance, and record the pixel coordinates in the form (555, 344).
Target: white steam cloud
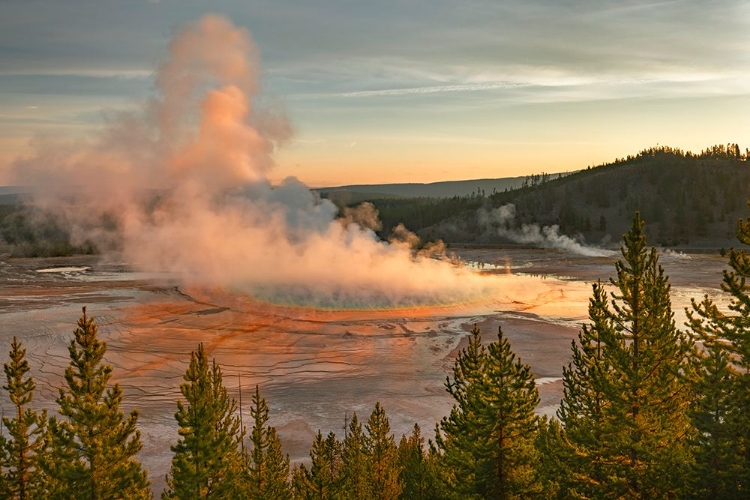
(180, 185)
(501, 219)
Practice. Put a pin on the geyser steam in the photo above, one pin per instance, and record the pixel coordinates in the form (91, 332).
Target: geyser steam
(180, 185)
(500, 219)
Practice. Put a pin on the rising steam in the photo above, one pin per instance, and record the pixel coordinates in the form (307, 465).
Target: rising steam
(502, 218)
(180, 185)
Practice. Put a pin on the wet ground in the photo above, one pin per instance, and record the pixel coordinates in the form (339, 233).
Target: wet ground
(315, 367)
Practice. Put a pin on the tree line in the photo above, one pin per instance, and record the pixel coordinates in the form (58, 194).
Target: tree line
(648, 411)
(687, 198)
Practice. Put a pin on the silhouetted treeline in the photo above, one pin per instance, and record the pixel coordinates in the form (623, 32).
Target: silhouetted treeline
(26, 231)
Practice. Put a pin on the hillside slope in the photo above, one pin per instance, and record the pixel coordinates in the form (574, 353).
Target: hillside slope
(686, 199)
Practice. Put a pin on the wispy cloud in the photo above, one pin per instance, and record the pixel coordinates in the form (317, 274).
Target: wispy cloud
(469, 87)
(79, 72)
(595, 87)
(618, 9)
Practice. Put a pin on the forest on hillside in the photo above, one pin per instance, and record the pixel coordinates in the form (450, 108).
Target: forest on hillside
(649, 411)
(686, 198)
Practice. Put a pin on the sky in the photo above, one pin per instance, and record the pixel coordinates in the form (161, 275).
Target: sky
(408, 90)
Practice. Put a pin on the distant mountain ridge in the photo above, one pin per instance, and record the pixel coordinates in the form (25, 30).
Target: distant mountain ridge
(444, 189)
(686, 200)
(10, 195)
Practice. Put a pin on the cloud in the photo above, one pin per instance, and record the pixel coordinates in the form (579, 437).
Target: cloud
(471, 87)
(103, 73)
(541, 87)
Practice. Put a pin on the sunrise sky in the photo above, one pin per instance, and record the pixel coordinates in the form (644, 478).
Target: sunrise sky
(406, 91)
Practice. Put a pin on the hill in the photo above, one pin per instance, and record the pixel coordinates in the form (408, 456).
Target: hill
(686, 199)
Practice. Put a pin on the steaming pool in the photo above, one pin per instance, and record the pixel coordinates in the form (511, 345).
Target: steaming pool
(314, 365)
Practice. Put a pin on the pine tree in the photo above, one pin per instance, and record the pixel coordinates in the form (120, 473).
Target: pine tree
(487, 441)
(736, 329)
(384, 470)
(583, 455)
(416, 473)
(722, 411)
(4, 492)
(627, 391)
(355, 463)
(323, 480)
(279, 487)
(26, 431)
(649, 358)
(268, 468)
(442, 476)
(207, 462)
(458, 434)
(716, 465)
(556, 465)
(93, 446)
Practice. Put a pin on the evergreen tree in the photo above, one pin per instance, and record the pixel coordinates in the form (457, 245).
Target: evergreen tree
(207, 462)
(416, 473)
(722, 412)
(556, 467)
(4, 492)
(649, 358)
(355, 463)
(458, 434)
(384, 470)
(487, 441)
(627, 395)
(323, 480)
(736, 329)
(26, 431)
(268, 469)
(583, 455)
(716, 465)
(93, 446)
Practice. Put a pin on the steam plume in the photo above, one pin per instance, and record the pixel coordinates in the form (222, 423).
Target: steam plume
(501, 218)
(180, 185)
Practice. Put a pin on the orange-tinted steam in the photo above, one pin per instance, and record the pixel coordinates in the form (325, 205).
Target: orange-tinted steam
(184, 181)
